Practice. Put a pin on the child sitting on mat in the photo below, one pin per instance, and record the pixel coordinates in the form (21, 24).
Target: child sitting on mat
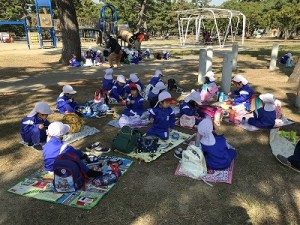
(243, 92)
(34, 125)
(156, 78)
(55, 147)
(133, 78)
(265, 116)
(118, 91)
(217, 152)
(190, 106)
(209, 90)
(74, 62)
(153, 94)
(107, 82)
(162, 116)
(134, 102)
(65, 102)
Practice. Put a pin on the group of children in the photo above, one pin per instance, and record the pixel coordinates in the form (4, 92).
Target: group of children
(132, 93)
(90, 58)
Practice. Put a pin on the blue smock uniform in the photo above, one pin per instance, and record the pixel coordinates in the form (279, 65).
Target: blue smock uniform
(117, 91)
(154, 80)
(185, 109)
(263, 118)
(107, 84)
(137, 107)
(244, 94)
(75, 63)
(30, 131)
(64, 103)
(218, 156)
(164, 119)
(53, 148)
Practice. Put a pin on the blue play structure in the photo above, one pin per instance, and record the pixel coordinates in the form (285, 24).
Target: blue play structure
(108, 24)
(44, 22)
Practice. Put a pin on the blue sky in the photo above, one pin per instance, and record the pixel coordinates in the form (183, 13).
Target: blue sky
(217, 2)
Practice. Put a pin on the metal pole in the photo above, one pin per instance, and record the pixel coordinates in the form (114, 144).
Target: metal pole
(274, 56)
(209, 59)
(202, 65)
(226, 72)
(235, 50)
(244, 27)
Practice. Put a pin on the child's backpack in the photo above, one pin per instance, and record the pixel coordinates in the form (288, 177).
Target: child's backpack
(126, 140)
(74, 121)
(172, 85)
(193, 163)
(255, 102)
(69, 175)
(158, 56)
(187, 121)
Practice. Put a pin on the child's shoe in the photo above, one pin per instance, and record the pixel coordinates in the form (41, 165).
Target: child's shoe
(102, 149)
(92, 146)
(100, 115)
(178, 153)
(38, 147)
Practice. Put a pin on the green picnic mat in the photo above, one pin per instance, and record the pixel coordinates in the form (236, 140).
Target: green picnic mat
(39, 186)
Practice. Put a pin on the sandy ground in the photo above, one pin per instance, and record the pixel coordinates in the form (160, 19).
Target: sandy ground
(263, 191)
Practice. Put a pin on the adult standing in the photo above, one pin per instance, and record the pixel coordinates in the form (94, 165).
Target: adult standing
(115, 52)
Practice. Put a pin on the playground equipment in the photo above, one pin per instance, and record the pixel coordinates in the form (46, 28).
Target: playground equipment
(107, 25)
(201, 15)
(37, 25)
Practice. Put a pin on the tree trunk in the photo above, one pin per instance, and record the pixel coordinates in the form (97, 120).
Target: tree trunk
(295, 76)
(70, 30)
(141, 15)
(297, 103)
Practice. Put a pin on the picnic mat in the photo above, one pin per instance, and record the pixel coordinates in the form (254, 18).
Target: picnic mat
(39, 186)
(84, 132)
(248, 127)
(172, 143)
(115, 123)
(280, 145)
(216, 176)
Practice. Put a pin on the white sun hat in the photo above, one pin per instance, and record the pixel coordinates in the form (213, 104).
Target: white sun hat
(133, 77)
(205, 129)
(239, 78)
(121, 79)
(158, 87)
(134, 85)
(158, 73)
(58, 129)
(269, 101)
(108, 74)
(68, 89)
(210, 75)
(195, 96)
(99, 51)
(164, 96)
(40, 107)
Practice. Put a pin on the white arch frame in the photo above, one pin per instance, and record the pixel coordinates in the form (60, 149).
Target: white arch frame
(209, 13)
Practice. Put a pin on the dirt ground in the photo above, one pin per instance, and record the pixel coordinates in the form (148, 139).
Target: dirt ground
(262, 192)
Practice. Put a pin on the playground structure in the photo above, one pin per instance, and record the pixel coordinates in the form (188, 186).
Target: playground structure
(41, 28)
(98, 30)
(38, 26)
(201, 15)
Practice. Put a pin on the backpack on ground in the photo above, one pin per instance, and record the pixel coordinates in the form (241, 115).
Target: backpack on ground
(69, 176)
(187, 121)
(126, 140)
(74, 121)
(172, 84)
(193, 163)
(148, 144)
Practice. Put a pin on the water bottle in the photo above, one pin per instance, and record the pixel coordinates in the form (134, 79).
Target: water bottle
(222, 97)
(88, 110)
(232, 116)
